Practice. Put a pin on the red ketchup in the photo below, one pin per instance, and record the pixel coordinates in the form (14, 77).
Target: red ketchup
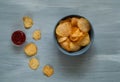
(18, 37)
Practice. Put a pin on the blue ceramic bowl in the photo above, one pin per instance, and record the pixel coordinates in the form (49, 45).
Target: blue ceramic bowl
(81, 51)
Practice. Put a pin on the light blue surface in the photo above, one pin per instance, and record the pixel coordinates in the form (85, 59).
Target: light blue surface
(100, 64)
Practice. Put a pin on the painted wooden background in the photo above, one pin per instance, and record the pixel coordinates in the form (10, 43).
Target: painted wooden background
(100, 64)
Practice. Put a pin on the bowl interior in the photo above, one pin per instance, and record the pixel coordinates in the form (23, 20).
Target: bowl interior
(81, 51)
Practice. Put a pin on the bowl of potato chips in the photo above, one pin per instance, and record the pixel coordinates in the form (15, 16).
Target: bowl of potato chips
(74, 35)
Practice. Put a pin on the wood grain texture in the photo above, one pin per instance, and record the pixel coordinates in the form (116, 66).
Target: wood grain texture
(100, 64)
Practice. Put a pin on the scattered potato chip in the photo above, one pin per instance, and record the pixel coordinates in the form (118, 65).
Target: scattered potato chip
(86, 40)
(28, 22)
(36, 35)
(63, 29)
(33, 63)
(62, 39)
(74, 47)
(30, 49)
(48, 70)
(66, 45)
(74, 21)
(83, 25)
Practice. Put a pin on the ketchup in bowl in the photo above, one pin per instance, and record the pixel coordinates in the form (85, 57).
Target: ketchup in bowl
(18, 37)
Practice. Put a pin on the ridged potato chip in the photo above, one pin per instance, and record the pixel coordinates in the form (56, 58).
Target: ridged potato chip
(28, 22)
(64, 29)
(30, 49)
(66, 45)
(74, 21)
(36, 35)
(74, 47)
(85, 41)
(48, 70)
(33, 63)
(83, 25)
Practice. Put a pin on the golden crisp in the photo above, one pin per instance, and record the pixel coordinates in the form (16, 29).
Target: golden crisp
(36, 35)
(66, 45)
(74, 29)
(83, 25)
(30, 49)
(62, 39)
(74, 21)
(48, 70)
(28, 22)
(74, 47)
(66, 20)
(76, 35)
(34, 63)
(86, 40)
(64, 29)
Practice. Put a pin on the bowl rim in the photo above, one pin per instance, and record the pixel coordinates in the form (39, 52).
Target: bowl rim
(81, 51)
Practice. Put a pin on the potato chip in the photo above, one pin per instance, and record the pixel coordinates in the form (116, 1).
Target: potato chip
(66, 45)
(28, 22)
(62, 39)
(86, 40)
(48, 70)
(65, 20)
(74, 21)
(76, 35)
(78, 42)
(83, 25)
(74, 38)
(74, 29)
(74, 47)
(33, 63)
(30, 49)
(64, 29)
(36, 35)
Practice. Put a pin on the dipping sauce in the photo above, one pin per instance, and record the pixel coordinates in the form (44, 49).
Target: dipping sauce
(18, 37)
